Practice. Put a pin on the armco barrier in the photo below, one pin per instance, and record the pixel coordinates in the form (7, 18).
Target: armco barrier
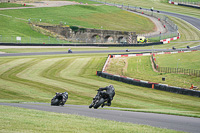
(169, 39)
(99, 45)
(142, 83)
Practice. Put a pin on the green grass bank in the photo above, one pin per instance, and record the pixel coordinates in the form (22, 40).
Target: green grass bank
(12, 120)
(88, 16)
(37, 78)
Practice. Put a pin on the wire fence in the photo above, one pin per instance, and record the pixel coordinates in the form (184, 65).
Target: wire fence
(180, 71)
(175, 70)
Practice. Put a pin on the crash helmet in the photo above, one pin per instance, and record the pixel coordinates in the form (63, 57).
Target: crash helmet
(110, 86)
(65, 93)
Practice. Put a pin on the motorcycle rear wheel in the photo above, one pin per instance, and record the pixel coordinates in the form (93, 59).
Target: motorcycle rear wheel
(101, 101)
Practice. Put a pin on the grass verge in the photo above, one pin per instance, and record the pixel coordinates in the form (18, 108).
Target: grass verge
(12, 120)
(8, 5)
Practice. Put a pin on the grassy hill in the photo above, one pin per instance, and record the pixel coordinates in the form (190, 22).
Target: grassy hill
(88, 16)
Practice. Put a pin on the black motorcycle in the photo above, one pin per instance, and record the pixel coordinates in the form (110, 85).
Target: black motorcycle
(173, 48)
(59, 99)
(69, 51)
(99, 99)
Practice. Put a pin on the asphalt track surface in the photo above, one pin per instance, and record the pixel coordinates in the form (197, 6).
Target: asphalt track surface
(95, 52)
(193, 21)
(179, 123)
(75, 52)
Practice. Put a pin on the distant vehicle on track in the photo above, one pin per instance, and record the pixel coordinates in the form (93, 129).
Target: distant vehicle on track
(69, 51)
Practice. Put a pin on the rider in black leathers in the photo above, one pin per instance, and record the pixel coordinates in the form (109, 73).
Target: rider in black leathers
(64, 95)
(110, 91)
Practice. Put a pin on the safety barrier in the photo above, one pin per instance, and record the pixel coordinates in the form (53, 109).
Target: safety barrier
(170, 39)
(147, 84)
(82, 44)
(186, 3)
(142, 83)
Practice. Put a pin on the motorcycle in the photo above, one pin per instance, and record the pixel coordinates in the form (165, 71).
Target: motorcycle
(69, 51)
(59, 99)
(99, 99)
(173, 48)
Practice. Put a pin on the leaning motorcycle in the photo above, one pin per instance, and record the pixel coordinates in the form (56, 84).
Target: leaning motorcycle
(59, 99)
(69, 51)
(99, 99)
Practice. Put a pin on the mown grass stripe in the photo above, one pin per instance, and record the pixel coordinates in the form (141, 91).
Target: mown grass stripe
(10, 75)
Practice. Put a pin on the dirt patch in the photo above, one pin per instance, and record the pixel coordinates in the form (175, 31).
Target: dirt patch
(153, 65)
(50, 3)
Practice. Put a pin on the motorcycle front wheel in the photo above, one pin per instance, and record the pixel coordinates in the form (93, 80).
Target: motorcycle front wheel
(91, 105)
(55, 102)
(101, 101)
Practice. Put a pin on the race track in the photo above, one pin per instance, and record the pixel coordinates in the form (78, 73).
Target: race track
(94, 52)
(179, 123)
(193, 21)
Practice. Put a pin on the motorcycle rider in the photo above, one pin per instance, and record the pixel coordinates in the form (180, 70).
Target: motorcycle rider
(110, 91)
(64, 95)
(69, 50)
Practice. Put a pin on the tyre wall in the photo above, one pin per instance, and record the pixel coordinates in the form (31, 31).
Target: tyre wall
(142, 83)
(156, 86)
